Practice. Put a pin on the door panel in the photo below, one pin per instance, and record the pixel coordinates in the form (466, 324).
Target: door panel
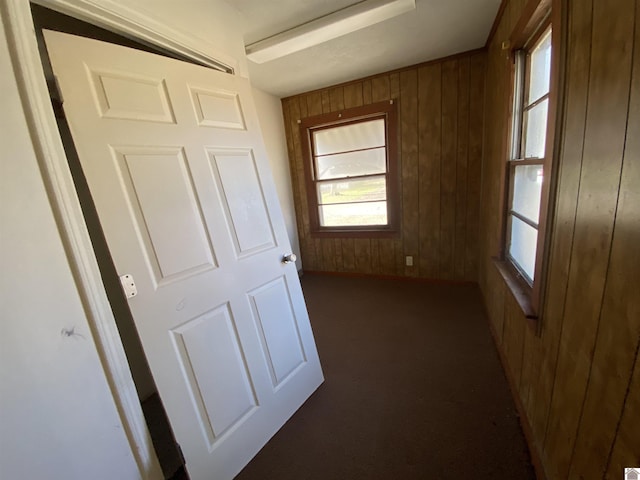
(217, 108)
(159, 186)
(175, 163)
(219, 379)
(135, 97)
(279, 329)
(243, 199)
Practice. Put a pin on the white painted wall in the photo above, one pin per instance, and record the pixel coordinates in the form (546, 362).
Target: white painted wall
(57, 416)
(272, 124)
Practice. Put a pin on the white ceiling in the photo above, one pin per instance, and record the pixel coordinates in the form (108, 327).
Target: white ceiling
(436, 29)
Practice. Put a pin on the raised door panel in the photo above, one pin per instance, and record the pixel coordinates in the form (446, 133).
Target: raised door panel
(240, 187)
(217, 108)
(129, 96)
(215, 372)
(158, 186)
(278, 326)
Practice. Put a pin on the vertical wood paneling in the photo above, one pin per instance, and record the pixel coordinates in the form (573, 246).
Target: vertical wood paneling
(375, 255)
(410, 171)
(314, 103)
(380, 91)
(531, 359)
(430, 152)
(513, 336)
(566, 203)
(619, 326)
(495, 304)
(474, 164)
(336, 99)
(313, 243)
(440, 143)
(366, 92)
(448, 168)
(605, 130)
(396, 243)
(462, 157)
(307, 244)
(353, 95)
(379, 88)
(326, 101)
(625, 450)
(579, 381)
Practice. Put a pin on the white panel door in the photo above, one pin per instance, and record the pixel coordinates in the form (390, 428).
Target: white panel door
(176, 166)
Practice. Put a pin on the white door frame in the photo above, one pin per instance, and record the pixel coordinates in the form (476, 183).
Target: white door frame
(61, 191)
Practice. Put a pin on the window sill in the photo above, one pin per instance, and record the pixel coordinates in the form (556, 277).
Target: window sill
(520, 291)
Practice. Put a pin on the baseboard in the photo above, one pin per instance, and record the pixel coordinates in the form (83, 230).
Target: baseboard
(524, 420)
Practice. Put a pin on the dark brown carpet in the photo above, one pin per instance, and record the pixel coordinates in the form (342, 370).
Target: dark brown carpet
(413, 389)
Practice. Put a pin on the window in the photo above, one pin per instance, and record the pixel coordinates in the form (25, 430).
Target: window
(351, 169)
(526, 167)
(529, 165)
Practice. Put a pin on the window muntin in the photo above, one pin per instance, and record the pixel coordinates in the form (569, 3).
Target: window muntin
(529, 144)
(352, 171)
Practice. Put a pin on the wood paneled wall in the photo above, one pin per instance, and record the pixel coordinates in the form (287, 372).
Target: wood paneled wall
(579, 381)
(440, 106)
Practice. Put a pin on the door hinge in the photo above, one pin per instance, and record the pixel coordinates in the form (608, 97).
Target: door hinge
(128, 285)
(56, 98)
(58, 89)
(180, 454)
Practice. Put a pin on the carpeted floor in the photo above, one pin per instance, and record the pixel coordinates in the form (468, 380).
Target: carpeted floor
(413, 390)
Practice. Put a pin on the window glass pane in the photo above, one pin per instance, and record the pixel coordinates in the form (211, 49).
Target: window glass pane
(371, 213)
(540, 67)
(523, 245)
(527, 187)
(342, 165)
(536, 130)
(349, 137)
(361, 190)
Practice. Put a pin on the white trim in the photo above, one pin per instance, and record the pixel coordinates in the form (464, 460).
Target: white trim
(56, 174)
(130, 23)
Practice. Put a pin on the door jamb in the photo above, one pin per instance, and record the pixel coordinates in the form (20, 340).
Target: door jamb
(62, 195)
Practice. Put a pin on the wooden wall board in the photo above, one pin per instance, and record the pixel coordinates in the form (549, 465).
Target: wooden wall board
(429, 158)
(410, 172)
(366, 92)
(532, 356)
(513, 336)
(609, 82)
(448, 170)
(576, 98)
(579, 381)
(397, 242)
(624, 451)
(474, 165)
(618, 334)
(462, 159)
(445, 237)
